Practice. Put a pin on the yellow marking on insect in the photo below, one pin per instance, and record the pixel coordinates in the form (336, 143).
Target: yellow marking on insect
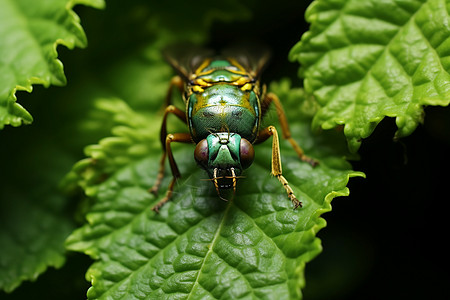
(247, 87)
(235, 63)
(241, 81)
(202, 83)
(197, 89)
(205, 63)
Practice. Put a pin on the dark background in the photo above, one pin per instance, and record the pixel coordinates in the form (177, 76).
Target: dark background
(387, 240)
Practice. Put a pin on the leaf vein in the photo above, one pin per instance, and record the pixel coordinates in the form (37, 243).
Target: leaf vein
(211, 249)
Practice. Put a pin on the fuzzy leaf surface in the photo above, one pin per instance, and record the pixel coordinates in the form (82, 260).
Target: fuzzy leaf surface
(198, 246)
(30, 32)
(364, 60)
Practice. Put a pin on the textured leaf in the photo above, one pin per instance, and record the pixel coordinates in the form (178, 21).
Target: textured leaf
(199, 246)
(366, 59)
(30, 32)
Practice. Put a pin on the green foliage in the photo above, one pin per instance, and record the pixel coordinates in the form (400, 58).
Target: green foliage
(199, 246)
(33, 213)
(30, 33)
(254, 246)
(33, 225)
(364, 60)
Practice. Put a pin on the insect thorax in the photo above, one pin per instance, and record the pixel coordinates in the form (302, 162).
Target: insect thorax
(223, 108)
(223, 97)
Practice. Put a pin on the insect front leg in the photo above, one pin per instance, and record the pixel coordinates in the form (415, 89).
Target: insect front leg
(276, 161)
(175, 137)
(272, 98)
(163, 134)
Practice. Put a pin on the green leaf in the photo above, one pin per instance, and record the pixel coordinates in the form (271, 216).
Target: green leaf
(198, 246)
(32, 239)
(34, 221)
(30, 33)
(364, 60)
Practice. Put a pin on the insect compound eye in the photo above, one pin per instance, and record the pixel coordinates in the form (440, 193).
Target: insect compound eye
(247, 153)
(201, 152)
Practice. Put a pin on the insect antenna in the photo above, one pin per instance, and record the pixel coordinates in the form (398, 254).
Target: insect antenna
(213, 179)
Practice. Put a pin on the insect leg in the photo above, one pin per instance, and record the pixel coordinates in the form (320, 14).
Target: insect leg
(272, 98)
(182, 116)
(175, 137)
(276, 162)
(176, 81)
(170, 110)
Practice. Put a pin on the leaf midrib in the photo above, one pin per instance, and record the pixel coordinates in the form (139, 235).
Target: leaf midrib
(211, 247)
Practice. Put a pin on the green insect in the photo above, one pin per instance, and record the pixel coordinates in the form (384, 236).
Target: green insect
(224, 106)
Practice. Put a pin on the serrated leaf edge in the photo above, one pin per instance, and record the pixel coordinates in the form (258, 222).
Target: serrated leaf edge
(22, 116)
(405, 124)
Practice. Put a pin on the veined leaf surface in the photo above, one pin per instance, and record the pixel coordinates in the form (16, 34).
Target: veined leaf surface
(364, 60)
(198, 246)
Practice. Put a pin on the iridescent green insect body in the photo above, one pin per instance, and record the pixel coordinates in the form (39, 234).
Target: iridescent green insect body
(223, 101)
(223, 113)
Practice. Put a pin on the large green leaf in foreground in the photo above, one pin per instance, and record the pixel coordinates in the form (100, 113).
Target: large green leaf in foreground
(366, 59)
(30, 31)
(198, 246)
